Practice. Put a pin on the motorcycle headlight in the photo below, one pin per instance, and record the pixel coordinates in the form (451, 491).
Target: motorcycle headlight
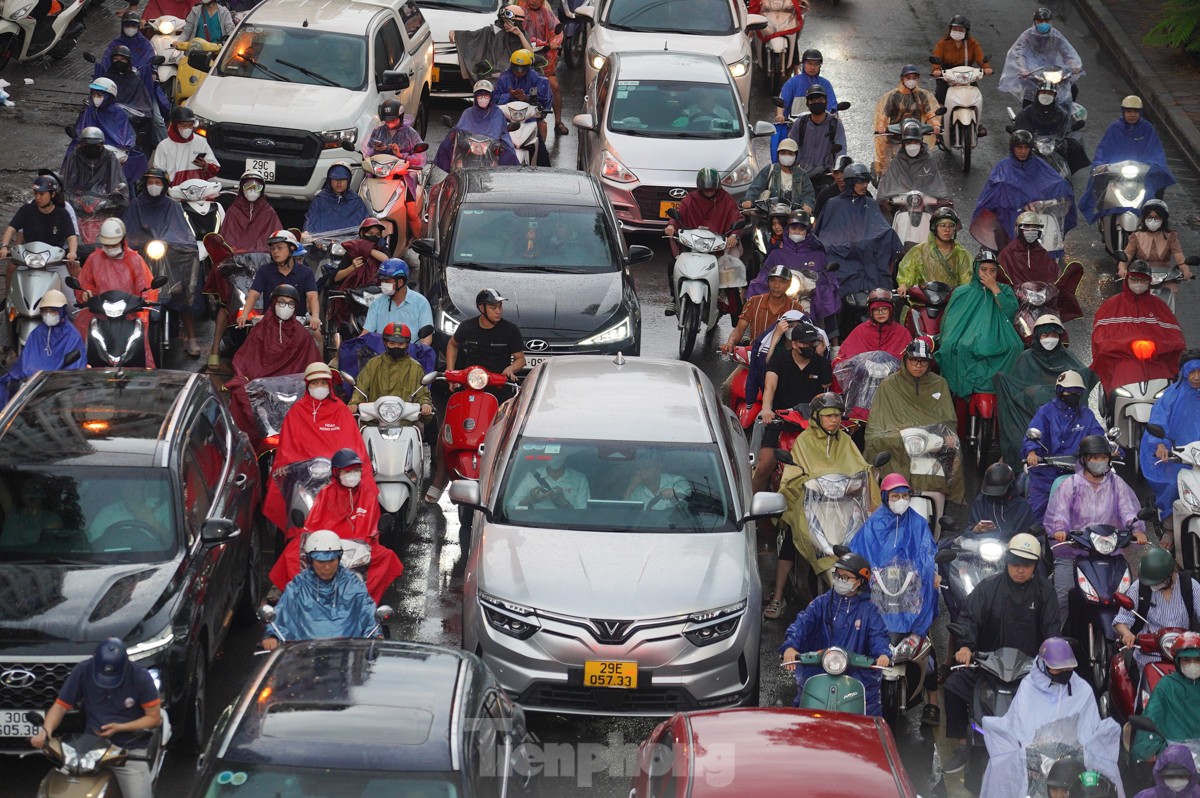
(740, 68)
(618, 332)
(742, 173)
(612, 168)
(991, 550)
(333, 139)
(1104, 544)
(480, 146)
(337, 250)
(477, 379)
(1045, 147)
(834, 661)
(114, 310)
(1190, 498)
(906, 649)
(449, 324)
(36, 260)
(155, 250)
(1123, 393)
(381, 169)
(166, 27)
(389, 412)
(1159, 395)
(92, 758)
(1129, 172)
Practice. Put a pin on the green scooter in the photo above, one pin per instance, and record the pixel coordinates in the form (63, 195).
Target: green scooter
(833, 690)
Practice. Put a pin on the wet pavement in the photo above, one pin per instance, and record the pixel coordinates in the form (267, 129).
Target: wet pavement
(864, 45)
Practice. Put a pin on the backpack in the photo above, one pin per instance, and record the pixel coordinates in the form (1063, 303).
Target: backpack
(804, 126)
(1185, 593)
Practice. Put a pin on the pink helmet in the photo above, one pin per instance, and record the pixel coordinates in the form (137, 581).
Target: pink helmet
(893, 481)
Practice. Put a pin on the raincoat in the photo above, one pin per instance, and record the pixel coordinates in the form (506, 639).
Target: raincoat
(1021, 262)
(491, 44)
(312, 609)
(1125, 319)
(1011, 186)
(330, 211)
(102, 177)
(174, 155)
(817, 455)
(1177, 412)
(112, 121)
(1063, 428)
(161, 218)
(794, 188)
(1027, 385)
(978, 338)
(849, 622)
(1043, 712)
(718, 214)
(894, 107)
(908, 173)
(44, 351)
(489, 122)
(1033, 51)
(856, 235)
(536, 88)
(903, 542)
(817, 141)
(1172, 707)
(405, 137)
(139, 47)
(273, 347)
(1053, 120)
(1010, 513)
(1124, 142)
(904, 401)
(1078, 503)
(891, 337)
(127, 273)
(925, 263)
(356, 352)
(809, 255)
(248, 225)
(797, 86)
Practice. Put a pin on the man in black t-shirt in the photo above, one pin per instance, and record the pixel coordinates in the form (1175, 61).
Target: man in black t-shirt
(282, 269)
(45, 219)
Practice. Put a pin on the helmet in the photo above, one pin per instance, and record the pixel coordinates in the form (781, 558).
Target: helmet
(803, 333)
(284, 237)
(1139, 266)
(1068, 380)
(910, 130)
(1057, 653)
(131, 15)
(1064, 773)
(161, 174)
(1092, 784)
(986, 256)
(368, 223)
(1030, 219)
(317, 371)
(344, 458)
(856, 172)
(53, 299)
(123, 51)
(959, 21)
(105, 85)
(825, 401)
(390, 109)
(344, 172)
(1158, 206)
(1156, 566)
(1048, 320)
(997, 480)
(780, 271)
(788, 145)
(813, 55)
(1132, 102)
(801, 218)
(91, 135)
(1020, 137)
(944, 213)
(707, 178)
(287, 291)
(879, 296)
(393, 268)
(397, 333)
(918, 349)
(513, 12)
(249, 175)
(521, 58)
(112, 232)
(780, 210)
(109, 663)
(1093, 444)
(815, 90)
(489, 296)
(483, 86)
(46, 183)
(854, 564)
(893, 482)
(842, 162)
(1186, 645)
(909, 69)
(1024, 546)
(1043, 13)
(1047, 86)
(181, 113)
(323, 546)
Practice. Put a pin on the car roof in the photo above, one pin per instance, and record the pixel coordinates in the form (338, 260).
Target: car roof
(352, 704)
(334, 16)
(670, 65)
(833, 754)
(525, 185)
(93, 416)
(642, 399)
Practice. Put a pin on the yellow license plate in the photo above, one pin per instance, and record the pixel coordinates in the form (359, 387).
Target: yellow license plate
(663, 207)
(622, 675)
(435, 74)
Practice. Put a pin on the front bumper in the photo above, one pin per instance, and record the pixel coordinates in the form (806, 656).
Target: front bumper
(639, 206)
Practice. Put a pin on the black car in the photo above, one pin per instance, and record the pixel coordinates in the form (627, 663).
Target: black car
(364, 717)
(128, 508)
(548, 240)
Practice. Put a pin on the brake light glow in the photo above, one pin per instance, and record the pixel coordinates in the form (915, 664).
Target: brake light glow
(1143, 349)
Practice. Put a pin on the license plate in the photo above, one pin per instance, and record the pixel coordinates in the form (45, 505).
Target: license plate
(435, 74)
(531, 361)
(13, 723)
(263, 167)
(622, 675)
(663, 207)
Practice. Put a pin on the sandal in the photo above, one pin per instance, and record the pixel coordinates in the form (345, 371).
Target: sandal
(192, 347)
(561, 130)
(774, 610)
(214, 362)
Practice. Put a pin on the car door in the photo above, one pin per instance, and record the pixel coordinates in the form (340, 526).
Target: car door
(388, 53)
(592, 141)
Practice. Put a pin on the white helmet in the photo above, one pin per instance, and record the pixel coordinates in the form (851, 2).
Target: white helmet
(321, 544)
(112, 232)
(104, 85)
(53, 299)
(1025, 546)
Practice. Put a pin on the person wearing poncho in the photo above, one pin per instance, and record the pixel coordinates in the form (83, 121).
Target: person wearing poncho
(47, 345)
(978, 338)
(879, 333)
(1128, 138)
(335, 207)
(1135, 336)
(856, 235)
(1040, 46)
(1025, 260)
(1064, 422)
(1178, 413)
(939, 259)
(1029, 383)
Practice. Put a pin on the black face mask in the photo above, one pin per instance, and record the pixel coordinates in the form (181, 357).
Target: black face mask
(92, 150)
(1070, 399)
(805, 351)
(1060, 678)
(396, 354)
(121, 67)
(817, 108)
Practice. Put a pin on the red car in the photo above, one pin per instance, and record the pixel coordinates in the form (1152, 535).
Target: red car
(747, 752)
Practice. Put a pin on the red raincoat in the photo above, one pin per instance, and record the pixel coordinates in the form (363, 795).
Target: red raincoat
(362, 277)
(1021, 263)
(1124, 319)
(128, 273)
(871, 337)
(246, 228)
(273, 348)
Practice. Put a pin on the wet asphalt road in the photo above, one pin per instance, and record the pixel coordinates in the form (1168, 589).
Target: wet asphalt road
(864, 46)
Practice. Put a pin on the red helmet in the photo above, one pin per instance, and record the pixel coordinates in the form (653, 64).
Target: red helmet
(1187, 642)
(397, 333)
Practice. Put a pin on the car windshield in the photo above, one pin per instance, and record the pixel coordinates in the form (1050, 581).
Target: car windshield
(285, 54)
(616, 486)
(479, 6)
(533, 238)
(696, 17)
(675, 110)
(87, 515)
(245, 780)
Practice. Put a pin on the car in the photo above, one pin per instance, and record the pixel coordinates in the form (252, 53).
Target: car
(444, 16)
(290, 117)
(740, 752)
(362, 717)
(652, 120)
(696, 26)
(130, 509)
(503, 228)
(621, 598)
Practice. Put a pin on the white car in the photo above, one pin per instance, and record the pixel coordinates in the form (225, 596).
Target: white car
(718, 27)
(444, 16)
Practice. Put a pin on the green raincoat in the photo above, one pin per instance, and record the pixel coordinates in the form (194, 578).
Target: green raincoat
(817, 455)
(1028, 385)
(978, 338)
(1172, 707)
(904, 401)
(924, 263)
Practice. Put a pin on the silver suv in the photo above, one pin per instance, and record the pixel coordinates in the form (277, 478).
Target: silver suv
(613, 565)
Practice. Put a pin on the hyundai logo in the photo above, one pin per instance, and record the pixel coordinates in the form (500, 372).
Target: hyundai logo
(537, 345)
(264, 144)
(17, 678)
(677, 193)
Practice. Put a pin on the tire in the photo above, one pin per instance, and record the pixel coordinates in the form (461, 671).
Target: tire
(891, 695)
(983, 449)
(159, 333)
(964, 137)
(1101, 650)
(395, 538)
(774, 71)
(252, 595)
(195, 709)
(8, 42)
(574, 48)
(689, 328)
(976, 765)
(170, 87)
(421, 123)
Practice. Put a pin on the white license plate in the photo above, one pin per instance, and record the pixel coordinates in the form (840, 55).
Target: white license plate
(13, 723)
(533, 360)
(263, 167)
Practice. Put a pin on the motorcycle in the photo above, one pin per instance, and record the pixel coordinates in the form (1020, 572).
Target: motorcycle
(966, 561)
(1161, 280)
(911, 213)
(472, 150)
(91, 211)
(703, 278)
(574, 44)
(1129, 692)
(239, 269)
(858, 378)
(24, 39)
(523, 121)
(178, 268)
(343, 310)
(165, 32)
(203, 212)
(270, 398)
(83, 763)
(926, 303)
(894, 589)
(775, 48)
(1119, 189)
(385, 190)
(115, 335)
(300, 482)
(40, 267)
(834, 690)
(1186, 509)
(746, 410)
(267, 614)
(1039, 299)
(1061, 77)
(193, 68)
(1128, 409)
(932, 450)
(964, 108)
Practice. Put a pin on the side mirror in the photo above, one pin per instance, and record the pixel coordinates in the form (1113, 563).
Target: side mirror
(394, 80)
(35, 718)
(425, 246)
(346, 378)
(386, 522)
(70, 358)
(763, 128)
(297, 518)
(756, 22)
(73, 282)
(1038, 531)
(159, 282)
(1033, 434)
(1078, 125)
(673, 214)
(1147, 514)
(422, 147)
(266, 613)
(447, 121)
(70, 130)
(219, 530)
(940, 112)
(383, 612)
(158, 60)
(833, 266)
(944, 556)
(584, 121)
(1125, 601)
(840, 551)
(784, 456)
(1192, 260)
(89, 57)
(933, 59)
(348, 147)
(882, 459)
(429, 378)
(948, 524)
(638, 254)
(778, 102)
(843, 106)
(1143, 723)
(740, 224)
(1121, 256)
(465, 493)
(764, 505)
(425, 331)
(586, 13)
(1156, 430)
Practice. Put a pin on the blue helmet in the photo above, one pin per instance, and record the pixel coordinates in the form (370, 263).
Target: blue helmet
(394, 268)
(109, 663)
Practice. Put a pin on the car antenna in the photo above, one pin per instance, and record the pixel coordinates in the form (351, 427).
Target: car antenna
(619, 360)
(304, 24)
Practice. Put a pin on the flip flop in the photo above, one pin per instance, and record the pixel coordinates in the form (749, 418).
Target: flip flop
(773, 610)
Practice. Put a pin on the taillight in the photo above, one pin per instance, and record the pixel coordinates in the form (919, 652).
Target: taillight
(1143, 349)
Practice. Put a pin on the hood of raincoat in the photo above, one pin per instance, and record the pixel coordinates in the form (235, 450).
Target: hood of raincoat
(331, 211)
(311, 608)
(856, 235)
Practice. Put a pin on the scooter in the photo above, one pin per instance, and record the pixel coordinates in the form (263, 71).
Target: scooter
(1161, 280)
(193, 68)
(932, 450)
(270, 398)
(204, 213)
(926, 303)
(1128, 409)
(746, 410)
(299, 483)
(834, 690)
(964, 108)
(894, 589)
(1185, 512)
(699, 281)
(267, 614)
(1120, 192)
(115, 334)
(911, 213)
(1128, 692)
(523, 121)
(858, 378)
(165, 32)
(91, 211)
(966, 561)
(83, 763)
(239, 269)
(40, 267)
(24, 39)
(1038, 299)
(574, 43)
(396, 451)
(775, 47)
(384, 189)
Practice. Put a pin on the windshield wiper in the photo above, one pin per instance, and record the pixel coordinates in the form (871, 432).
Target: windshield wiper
(481, 267)
(308, 72)
(556, 269)
(252, 62)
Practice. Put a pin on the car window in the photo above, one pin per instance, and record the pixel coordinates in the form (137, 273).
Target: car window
(220, 425)
(534, 238)
(602, 87)
(411, 18)
(697, 17)
(476, 6)
(196, 498)
(205, 451)
(675, 110)
(267, 52)
(389, 50)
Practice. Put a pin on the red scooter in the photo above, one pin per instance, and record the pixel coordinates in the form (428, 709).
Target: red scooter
(745, 411)
(926, 304)
(1128, 697)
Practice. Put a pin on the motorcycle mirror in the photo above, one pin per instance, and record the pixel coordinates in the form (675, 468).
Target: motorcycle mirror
(1038, 531)
(348, 147)
(939, 112)
(266, 613)
(740, 224)
(1122, 257)
(1125, 601)
(778, 101)
(1078, 125)
(422, 147)
(383, 612)
(1192, 260)
(35, 718)
(89, 57)
(1156, 430)
(944, 556)
(158, 60)
(957, 629)
(840, 551)
(1010, 129)
(70, 131)
(1147, 514)
(832, 267)
(346, 378)
(297, 517)
(425, 331)
(673, 214)
(843, 106)
(70, 358)
(784, 456)
(1113, 433)
(947, 523)
(159, 282)
(1033, 434)
(447, 121)
(933, 59)
(429, 378)
(73, 282)
(836, 148)
(882, 459)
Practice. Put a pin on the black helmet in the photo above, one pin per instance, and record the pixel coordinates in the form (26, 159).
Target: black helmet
(1064, 773)
(1188, 354)
(1139, 266)
(825, 401)
(1092, 784)
(1093, 444)
(131, 15)
(986, 256)
(855, 564)
(390, 109)
(181, 113)
(800, 217)
(123, 51)
(707, 178)
(842, 162)
(161, 174)
(944, 213)
(344, 458)
(910, 130)
(285, 290)
(46, 183)
(780, 271)
(1043, 13)
(909, 69)
(960, 21)
(918, 349)
(815, 90)
(856, 171)
(812, 54)
(1020, 137)
(488, 296)
(997, 480)
(1159, 207)
(109, 663)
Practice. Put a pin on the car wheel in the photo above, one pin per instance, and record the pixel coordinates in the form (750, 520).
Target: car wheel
(195, 703)
(421, 123)
(252, 594)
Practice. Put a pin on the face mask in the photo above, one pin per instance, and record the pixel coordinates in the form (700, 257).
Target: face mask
(387, 289)
(958, 35)
(1097, 469)
(129, 30)
(1163, 585)
(284, 312)
(319, 392)
(51, 319)
(1045, 99)
(1070, 399)
(185, 133)
(1153, 224)
(252, 194)
(1030, 236)
(1060, 678)
(805, 351)
(1177, 783)
(787, 160)
(1140, 287)
(1042, 27)
(97, 101)
(114, 252)
(796, 238)
(396, 354)
(913, 150)
(154, 189)
(484, 101)
(92, 150)
(910, 84)
(121, 67)
(844, 587)
(818, 108)
(1048, 343)
(899, 506)
(350, 479)
(1191, 670)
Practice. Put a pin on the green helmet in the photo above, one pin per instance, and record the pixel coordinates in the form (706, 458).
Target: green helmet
(1157, 565)
(707, 178)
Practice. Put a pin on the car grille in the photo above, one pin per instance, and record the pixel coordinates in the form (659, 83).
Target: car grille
(295, 152)
(603, 699)
(41, 692)
(649, 197)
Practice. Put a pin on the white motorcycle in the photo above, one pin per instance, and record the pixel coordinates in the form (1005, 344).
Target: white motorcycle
(1185, 512)
(23, 39)
(775, 48)
(525, 117)
(1131, 406)
(930, 454)
(204, 214)
(1119, 187)
(40, 267)
(392, 432)
(699, 276)
(964, 109)
(168, 31)
(911, 217)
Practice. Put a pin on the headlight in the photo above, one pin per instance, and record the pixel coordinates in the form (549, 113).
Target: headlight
(1104, 544)
(991, 550)
(389, 412)
(36, 260)
(514, 620)
(155, 250)
(477, 379)
(594, 58)
(202, 125)
(906, 649)
(1192, 500)
(740, 68)
(156, 675)
(333, 139)
(706, 628)
(835, 661)
(337, 250)
(1129, 172)
(1124, 393)
(1159, 395)
(154, 645)
(449, 324)
(92, 758)
(114, 310)
(22, 11)
(618, 332)
(166, 27)
(741, 174)
(614, 170)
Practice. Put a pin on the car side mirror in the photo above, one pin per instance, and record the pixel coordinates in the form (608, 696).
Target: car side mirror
(1156, 430)
(219, 530)
(465, 493)
(425, 246)
(784, 456)
(944, 556)
(394, 80)
(70, 358)
(764, 504)
(882, 459)
(584, 121)
(763, 128)
(638, 254)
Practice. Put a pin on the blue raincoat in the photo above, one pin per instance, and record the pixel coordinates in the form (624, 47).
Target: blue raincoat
(1178, 412)
(114, 123)
(1010, 187)
(143, 53)
(330, 211)
(856, 235)
(312, 609)
(849, 622)
(904, 540)
(797, 86)
(1124, 142)
(44, 351)
(1063, 429)
(536, 88)
(489, 122)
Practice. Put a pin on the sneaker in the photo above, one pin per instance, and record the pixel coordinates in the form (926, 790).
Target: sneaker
(958, 761)
(433, 494)
(192, 347)
(931, 715)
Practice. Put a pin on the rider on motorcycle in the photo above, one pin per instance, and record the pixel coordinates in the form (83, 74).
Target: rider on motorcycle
(1172, 707)
(325, 600)
(782, 181)
(844, 617)
(940, 259)
(957, 48)
(978, 338)
(336, 207)
(1156, 243)
(1163, 597)
(1025, 260)
(103, 112)
(1013, 184)
(283, 268)
(91, 168)
(1125, 320)
(820, 136)
(907, 100)
(710, 206)
(879, 333)
(48, 344)
(1040, 46)
(396, 136)
(138, 92)
(131, 38)
(1064, 422)
(799, 84)
(795, 375)
(45, 218)
(209, 21)
(400, 303)
(912, 169)
(482, 119)
(837, 186)
(113, 266)
(1045, 117)
(183, 154)
(359, 265)
(801, 250)
(1178, 412)
(522, 82)
(1175, 768)
(1131, 137)
(394, 373)
(999, 505)
(856, 235)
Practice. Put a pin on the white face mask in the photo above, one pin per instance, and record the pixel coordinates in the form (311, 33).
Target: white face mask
(185, 133)
(154, 189)
(913, 150)
(1048, 343)
(284, 311)
(387, 289)
(129, 30)
(958, 35)
(252, 194)
(844, 587)
(786, 160)
(484, 101)
(899, 506)
(114, 252)
(319, 392)
(910, 83)
(1031, 236)
(350, 479)
(51, 318)
(97, 101)
(1177, 783)
(1153, 224)
(1045, 99)
(1140, 287)
(796, 238)
(1191, 670)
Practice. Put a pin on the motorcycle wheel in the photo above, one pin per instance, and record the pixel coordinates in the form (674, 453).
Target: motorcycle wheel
(573, 51)
(964, 137)
(1100, 651)
(690, 327)
(983, 449)
(8, 43)
(774, 71)
(891, 695)
(976, 765)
